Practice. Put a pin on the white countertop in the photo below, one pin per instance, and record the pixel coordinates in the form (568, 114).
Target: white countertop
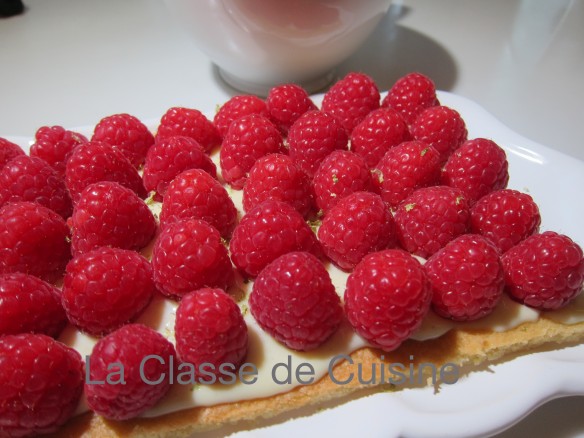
(72, 62)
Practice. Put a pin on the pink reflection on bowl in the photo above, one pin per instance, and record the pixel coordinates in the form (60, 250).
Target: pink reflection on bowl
(260, 43)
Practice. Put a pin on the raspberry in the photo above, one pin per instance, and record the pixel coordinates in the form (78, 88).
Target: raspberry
(294, 300)
(340, 174)
(545, 271)
(359, 224)
(406, 168)
(96, 161)
(249, 138)
(387, 297)
(277, 177)
(108, 214)
(196, 194)
(170, 156)
(381, 130)
(270, 230)
(441, 127)
(477, 167)
(146, 380)
(237, 107)
(410, 95)
(41, 381)
(29, 305)
(55, 144)
(126, 133)
(314, 136)
(106, 288)
(210, 329)
(33, 240)
(189, 255)
(286, 103)
(351, 99)
(430, 218)
(191, 123)
(466, 278)
(32, 179)
(8, 151)
(505, 217)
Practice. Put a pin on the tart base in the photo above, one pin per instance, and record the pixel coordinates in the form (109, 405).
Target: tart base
(469, 350)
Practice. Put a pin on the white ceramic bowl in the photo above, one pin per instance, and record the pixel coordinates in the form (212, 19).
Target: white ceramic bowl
(260, 43)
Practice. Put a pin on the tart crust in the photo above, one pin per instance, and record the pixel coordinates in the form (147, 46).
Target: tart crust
(470, 350)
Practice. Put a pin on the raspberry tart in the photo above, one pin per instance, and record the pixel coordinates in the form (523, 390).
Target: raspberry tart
(223, 314)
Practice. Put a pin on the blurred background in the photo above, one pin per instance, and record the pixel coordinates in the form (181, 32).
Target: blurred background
(81, 60)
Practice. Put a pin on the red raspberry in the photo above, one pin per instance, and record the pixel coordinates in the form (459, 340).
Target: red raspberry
(146, 379)
(8, 151)
(410, 95)
(286, 103)
(41, 381)
(189, 255)
(249, 138)
(106, 288)
(170, 156)
(126, 133)
(270, 230)
(32, 179)
(381, 130)
(466, 278)
(96, 161)
(359, 224)
(430, 218)
(294, 300)
(33, 240)
(237, 107)
(210, 329)
(29, 305)
(55, 144)
(314, 136)
(545, 271)
(277, 177)
(505, 217)
(191, 123)
(387, 297)
(406, 168)
(340, 174)
(441, 127)
(351, 99)
(477, 167)
(108, 214)
(196, 194)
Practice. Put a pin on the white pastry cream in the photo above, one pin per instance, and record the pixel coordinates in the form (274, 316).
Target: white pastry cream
(572, 313)
(265, 354)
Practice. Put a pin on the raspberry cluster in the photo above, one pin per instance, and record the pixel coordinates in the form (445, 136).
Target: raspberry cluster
(366, 184)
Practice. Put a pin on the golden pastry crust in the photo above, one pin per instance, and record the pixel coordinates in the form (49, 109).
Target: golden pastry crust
(467, 349)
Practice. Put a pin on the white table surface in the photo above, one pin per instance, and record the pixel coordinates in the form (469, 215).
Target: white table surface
(71, 62)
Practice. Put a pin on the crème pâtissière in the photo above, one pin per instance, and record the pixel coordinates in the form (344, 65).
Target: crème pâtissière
(468, 349)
